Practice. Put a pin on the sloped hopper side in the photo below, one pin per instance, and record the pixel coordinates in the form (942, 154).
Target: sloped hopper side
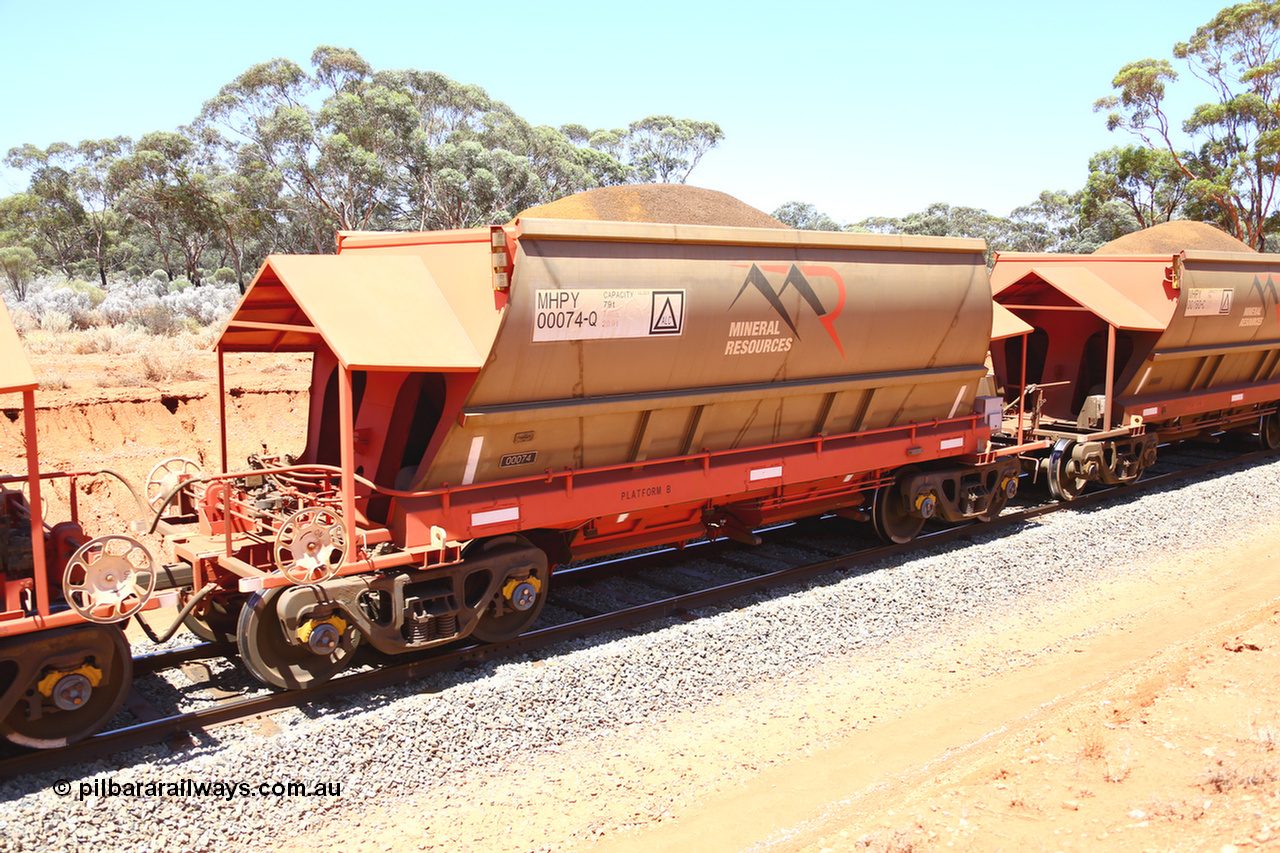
(625, 342)
(15, 371)
(1224, 331)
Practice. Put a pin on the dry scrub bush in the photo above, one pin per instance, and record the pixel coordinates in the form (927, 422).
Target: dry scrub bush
(903, 840)
(168, 360)
(1170, 809)
(38, 341)
(1094, 747)
(1116, 767)
(1266, 734)
(113, 339)
(107, 339)
(204, 338)
(1093, 744)
(160, 307)
(92, 319)
(55, 322)
(1223, 778)
(24, 321)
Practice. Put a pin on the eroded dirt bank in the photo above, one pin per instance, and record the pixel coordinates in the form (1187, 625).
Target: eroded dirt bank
(93, 424)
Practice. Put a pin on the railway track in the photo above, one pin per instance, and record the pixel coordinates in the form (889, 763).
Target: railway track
(592, 598)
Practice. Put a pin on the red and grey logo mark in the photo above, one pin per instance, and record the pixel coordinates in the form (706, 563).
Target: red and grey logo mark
(795, 277)
(1267, 292)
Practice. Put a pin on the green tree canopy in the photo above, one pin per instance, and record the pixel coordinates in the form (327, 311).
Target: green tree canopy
(805, 216)
(1148, 181)
(666, 149)
(19, 265)
(1237, 135)
(283, 156)
(942, 220)
(72, 214)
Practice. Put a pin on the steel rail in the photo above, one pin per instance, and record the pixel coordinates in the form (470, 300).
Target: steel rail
(169, 658)
(117, 741)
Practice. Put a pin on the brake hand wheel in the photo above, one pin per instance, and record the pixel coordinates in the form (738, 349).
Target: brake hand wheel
(168, 474)
(109, 579)
(311, 545)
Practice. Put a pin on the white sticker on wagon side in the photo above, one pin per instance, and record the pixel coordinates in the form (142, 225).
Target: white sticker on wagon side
(495, 516)
(1236, 398)
(581, 314)
(951, 443)
(1151, 410)
(473, 459)
(1209, 301)
(770, 473)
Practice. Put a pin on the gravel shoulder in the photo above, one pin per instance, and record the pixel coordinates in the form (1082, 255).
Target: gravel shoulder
(1131, 703)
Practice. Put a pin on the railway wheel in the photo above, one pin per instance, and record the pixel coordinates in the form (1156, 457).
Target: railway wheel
(893, 523)
(274, 661)
(215, 620)
(1269, 431)
(517, 605)
(67, 703)
(1064, 482)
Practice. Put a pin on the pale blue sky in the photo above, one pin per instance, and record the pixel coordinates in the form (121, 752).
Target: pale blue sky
(861, 108)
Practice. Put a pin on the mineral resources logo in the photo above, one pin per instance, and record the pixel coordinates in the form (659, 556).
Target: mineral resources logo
(766, 336)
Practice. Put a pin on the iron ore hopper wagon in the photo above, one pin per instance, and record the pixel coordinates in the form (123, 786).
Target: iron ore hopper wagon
(487, 404)
(1125, 351)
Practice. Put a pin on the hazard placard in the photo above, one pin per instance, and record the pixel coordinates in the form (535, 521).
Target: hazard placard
(667, 312)
(587, 314)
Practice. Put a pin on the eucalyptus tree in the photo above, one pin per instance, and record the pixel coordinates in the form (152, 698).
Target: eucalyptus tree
(665, 149)
(468, 184)
(601, 153)
(50, 230)
(561, 167)
(1236, 136)
(942, 220)
(18, 263)
(148, 187)
(75, 199)
(188, 201)
(1147, 181)
(335, 161)
(239, 203)
(805, 216)
(1051, 223)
